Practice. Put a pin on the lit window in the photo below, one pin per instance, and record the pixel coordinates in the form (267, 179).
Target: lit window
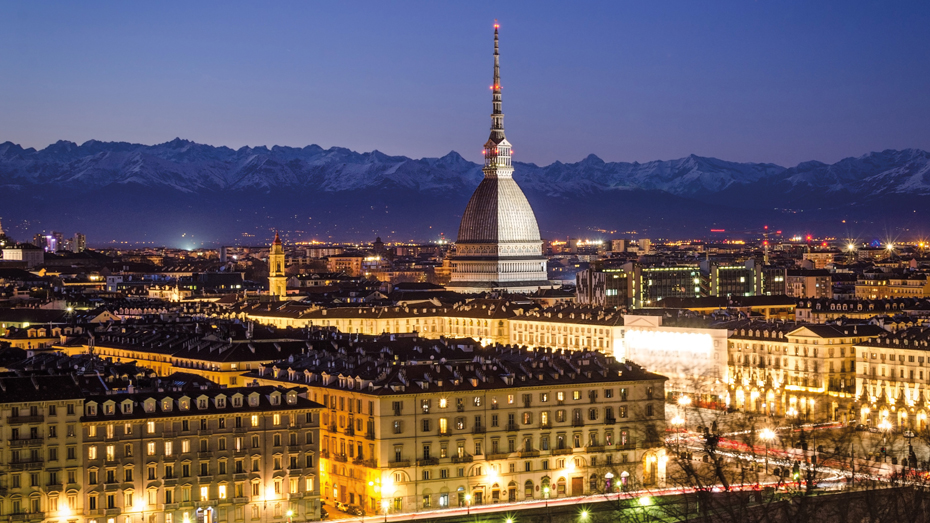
(204, 493)
(254, 420)
(222, 491)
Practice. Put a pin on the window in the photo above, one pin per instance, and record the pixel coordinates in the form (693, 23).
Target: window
(222, 491)
(254, 420)
(150, 427)
(111, 453)
(398, 426)
(576, 394)
(169, 448)
(426, 425)
(204, 493)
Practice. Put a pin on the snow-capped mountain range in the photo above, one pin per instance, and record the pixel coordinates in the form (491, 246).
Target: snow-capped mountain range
(191, 170)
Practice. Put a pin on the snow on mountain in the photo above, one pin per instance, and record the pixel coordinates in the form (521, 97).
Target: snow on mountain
(192, 168)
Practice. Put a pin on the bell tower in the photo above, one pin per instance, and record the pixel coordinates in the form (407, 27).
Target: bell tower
(277, 282)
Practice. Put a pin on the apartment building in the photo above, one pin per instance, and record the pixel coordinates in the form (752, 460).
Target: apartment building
(419, 424)
(795, 370)
(79, 453)
(42, 478)
(892, 375)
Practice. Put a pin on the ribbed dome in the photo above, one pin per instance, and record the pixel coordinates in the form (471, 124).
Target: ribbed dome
(498, 212)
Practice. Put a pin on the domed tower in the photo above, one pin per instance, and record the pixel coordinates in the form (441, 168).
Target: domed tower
(277, 282)
(498, 245)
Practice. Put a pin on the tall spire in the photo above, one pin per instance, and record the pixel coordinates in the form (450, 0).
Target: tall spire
(497, 116)
(497, 149)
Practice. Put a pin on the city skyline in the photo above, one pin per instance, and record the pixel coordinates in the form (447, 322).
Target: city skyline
(742, 83)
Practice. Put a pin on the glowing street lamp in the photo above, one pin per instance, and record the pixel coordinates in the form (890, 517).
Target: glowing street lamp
(884, 426)
(767, 436)
(467, 504)
(384, 508)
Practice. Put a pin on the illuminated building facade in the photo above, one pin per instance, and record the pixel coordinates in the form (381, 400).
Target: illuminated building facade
(163, 457)
(498, 245)
(892, 379)
(796, 371)
(404, 433)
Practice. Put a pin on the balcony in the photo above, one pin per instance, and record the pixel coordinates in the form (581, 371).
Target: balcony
(370, 463)
(610, 421)
(562, 452)
(370, 435)
(341, 458)
(445, 433)
(512, 427)
(30, 516)
(240, 500)
(494, 406)
(529, 454)
(27, 465)
(31, 442)
(399, 464)
(461, 408)
(545, 425)
(427, 462)
(595, 448)
(16, 420)
(478, 429)
(497, 455)
(350, 430)
(324, 453)
(332, 428)
(205, 454)
(467, 458)
(577, 423)
(205, 432)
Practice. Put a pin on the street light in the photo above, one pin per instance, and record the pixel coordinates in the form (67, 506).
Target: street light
(546, 496)
(384, 507)
(290, 514)
(677, 421)
(583, 516)
(884, 426)
(467, 504)
(767, 436)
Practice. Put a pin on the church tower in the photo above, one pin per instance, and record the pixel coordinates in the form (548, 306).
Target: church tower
(277, 282)
(498, 245)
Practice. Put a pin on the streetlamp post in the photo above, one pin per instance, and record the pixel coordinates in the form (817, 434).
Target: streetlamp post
(677, 421)
(767, 435)
(467, 504)
(546, 496)
(384, 507)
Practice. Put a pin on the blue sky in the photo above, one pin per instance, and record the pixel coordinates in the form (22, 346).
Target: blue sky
(779, 82)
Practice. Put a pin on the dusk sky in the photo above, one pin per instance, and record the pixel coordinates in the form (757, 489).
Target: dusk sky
(780, 82)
